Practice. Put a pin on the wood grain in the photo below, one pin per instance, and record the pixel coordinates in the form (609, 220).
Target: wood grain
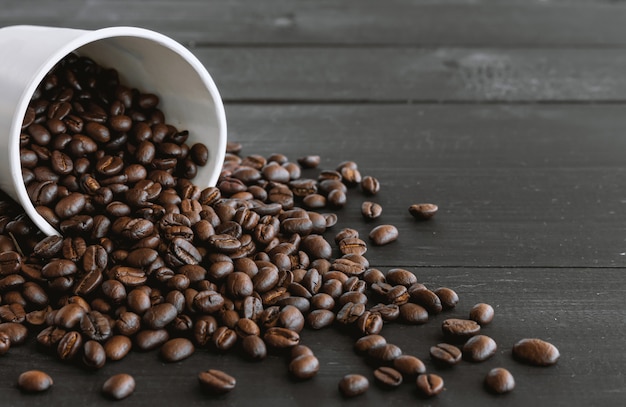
(370, 22)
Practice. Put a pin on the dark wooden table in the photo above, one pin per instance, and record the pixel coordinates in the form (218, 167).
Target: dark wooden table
(510, 115)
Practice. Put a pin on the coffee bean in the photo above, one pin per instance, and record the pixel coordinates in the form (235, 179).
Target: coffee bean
(371, 210)
(459, 329)
(369, 342)
(429, 384)
(409, 366)
(34, 381)
(499, 381)
(383, 234)
(352, 385)
(482, 313)
(94, 355)
(536, 352)
(5, 343)
(423, 211)
(384, 354)
(69, 345)
(277, 337)
(119, 386)
(445, 354)
(304, 367)
(479, 348)
(397, 276)
(159, 316)
(428, 300)
(176, 350)
(254, 347)
(117, 347)
(448, 298)
(413, 314)
(216, 381)
(320, 318)
(150, 339)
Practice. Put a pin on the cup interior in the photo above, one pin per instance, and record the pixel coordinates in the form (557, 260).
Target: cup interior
(151, 63)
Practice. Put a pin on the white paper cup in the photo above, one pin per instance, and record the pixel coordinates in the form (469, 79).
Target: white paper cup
(146, 60)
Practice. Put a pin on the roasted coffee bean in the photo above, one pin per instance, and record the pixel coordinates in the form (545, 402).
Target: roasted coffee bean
(128, 323)
(499, 381)
(5, 343)
(409, 366)
(12, 313)
(428, 300)
(459, 329)
(371, 210)
(216, 381)
(304, 367)
(536, 352)
(224, 338)
(119, 386)
(413, 314)
(239, 285)
(69, 345)
(279, 338)
(383, 234)
(350, 312)
(479, 348)
(254, 347)
(50, 336)
(300, 350)
(117, 347)
(320, 318)
(370, 323)
(150, 339)
(352, 245)
(398, 276)
(423, 211)
(370, 185)
(429, 385)
(385, 354)
(398, 295)
(388, 377)
(69, 316)
(391, 312)
(482, 313)
(445, 354)
(322, 301)
(159, 315)
(176, 350)
(448, 297)
(352, 385)
(34, 381)
(10, 263)
(94, 356)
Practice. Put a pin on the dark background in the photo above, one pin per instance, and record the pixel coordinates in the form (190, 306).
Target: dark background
(510, 115)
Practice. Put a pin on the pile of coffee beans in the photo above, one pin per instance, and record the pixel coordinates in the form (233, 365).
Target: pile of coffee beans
(147, 260)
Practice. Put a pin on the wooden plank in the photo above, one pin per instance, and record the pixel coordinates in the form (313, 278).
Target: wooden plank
(350, 22)
(517, 185)
(579, 311)
(416, 75)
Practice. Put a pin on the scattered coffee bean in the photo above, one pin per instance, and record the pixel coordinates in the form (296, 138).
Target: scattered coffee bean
(429, 384)
(371, 210)
(388, 377)
(479, 348)
(216, 381)
(304, 367)
(409, 366)
(34, 381)
(352, 385)
(482, 313)
(446, 354)
(176, 350)
(423, 211)
(499, 381)
(536, 352)
(448, 298)
(383, 234)
(119, 386)
(459, 329)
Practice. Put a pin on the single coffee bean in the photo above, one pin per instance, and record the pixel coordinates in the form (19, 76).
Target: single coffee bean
(304, 367)
(365, 343)
(352, 385)
(117, 347)
(536, 352)
(388, 377)
(5, 343)
(479, 348)
(280, 338)
(159, 316)
(150, 339)
(445, 354)
(94, 355)
(371, 210)
(482, 313)
(34, 381)
(427, 299)
(254, 347)
(398, 276)
(320, 318)
(429, 384)
(499, 381)
(423, 211)
(383, 234)
(119, 386)
(459, 329)
(177, 349)
(385, 354)
(409, 366)
(448, 297)
(216, 381)
(69, 345)
(413, 314)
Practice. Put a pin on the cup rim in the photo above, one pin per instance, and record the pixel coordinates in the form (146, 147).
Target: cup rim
(90, 36)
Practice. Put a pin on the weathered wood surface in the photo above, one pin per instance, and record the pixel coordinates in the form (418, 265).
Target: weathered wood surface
(508, 114)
